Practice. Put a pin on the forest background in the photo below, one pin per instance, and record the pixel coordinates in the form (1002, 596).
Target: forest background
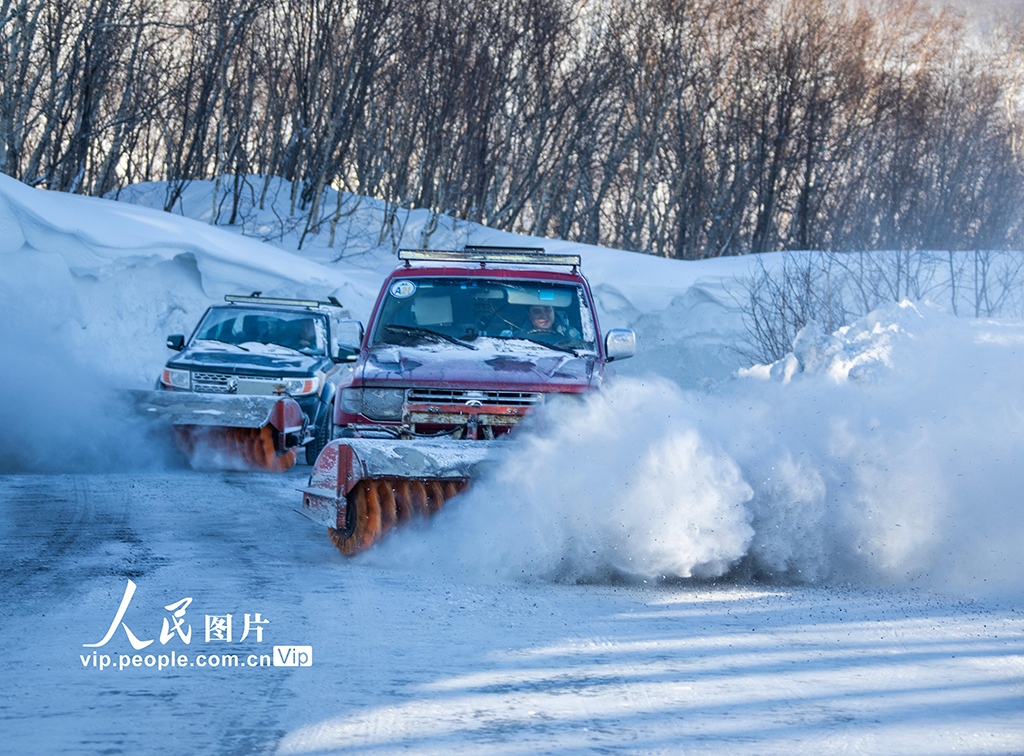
(682, 128)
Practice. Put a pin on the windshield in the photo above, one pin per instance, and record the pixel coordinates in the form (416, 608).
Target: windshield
(303, 331)
(439, 310)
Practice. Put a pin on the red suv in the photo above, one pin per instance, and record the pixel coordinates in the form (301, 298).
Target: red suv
(464, 343)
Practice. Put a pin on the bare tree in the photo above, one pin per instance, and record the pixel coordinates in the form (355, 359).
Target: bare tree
(684, 128)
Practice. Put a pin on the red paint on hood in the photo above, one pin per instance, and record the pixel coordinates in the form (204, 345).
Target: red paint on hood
(543, 370)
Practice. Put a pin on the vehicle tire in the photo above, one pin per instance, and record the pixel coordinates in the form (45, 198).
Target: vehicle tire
(322, 437)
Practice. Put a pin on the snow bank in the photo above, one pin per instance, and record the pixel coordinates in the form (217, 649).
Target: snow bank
(113, 280)
(886, 454)
(98, 238)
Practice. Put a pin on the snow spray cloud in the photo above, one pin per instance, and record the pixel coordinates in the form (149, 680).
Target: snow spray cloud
(896, 455)
(885, 455)
(617, 484)
(58, 414)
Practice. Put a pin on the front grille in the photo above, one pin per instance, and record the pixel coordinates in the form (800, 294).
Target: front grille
(486, 398)
(219, 383)
(214, 383)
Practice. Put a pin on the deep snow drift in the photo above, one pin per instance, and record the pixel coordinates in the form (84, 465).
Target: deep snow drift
(884, 454)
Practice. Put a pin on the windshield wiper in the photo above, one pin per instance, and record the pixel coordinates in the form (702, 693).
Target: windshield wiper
(284, 346)
(418, 331)
(574, 352)
(557, 348)
(226, 343)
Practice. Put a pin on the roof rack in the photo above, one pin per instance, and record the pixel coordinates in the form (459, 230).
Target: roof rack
(484, 255)
(256, 298)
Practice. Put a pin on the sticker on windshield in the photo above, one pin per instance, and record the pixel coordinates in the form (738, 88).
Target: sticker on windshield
(402, 289)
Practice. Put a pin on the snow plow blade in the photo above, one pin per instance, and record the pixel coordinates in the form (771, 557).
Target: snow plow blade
(361, 488)
(259, 431)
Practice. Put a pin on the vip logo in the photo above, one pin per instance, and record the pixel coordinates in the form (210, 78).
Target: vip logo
(293, 656)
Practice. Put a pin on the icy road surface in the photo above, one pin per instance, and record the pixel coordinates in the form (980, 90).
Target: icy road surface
(407, 662)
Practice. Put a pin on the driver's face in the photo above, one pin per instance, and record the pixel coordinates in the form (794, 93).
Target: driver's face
(542, 316)
(308, 331)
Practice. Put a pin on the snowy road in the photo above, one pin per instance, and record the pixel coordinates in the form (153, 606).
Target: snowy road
(412, 662)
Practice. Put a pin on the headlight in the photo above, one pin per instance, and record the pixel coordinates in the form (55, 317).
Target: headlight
(375, 403)
(301, 386)
(352, 400)
(177, 378)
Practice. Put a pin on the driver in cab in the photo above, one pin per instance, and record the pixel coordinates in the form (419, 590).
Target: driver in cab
(544, 322)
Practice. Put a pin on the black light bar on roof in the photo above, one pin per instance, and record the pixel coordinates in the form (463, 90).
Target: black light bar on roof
(255, 298)
(481, 248)
(483, 255)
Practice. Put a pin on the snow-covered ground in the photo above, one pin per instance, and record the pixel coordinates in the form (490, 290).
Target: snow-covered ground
(818, 556)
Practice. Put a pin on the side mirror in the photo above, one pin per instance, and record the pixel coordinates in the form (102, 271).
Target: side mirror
(176, 341)
(347, 354)
(619, 343)
(348, 336)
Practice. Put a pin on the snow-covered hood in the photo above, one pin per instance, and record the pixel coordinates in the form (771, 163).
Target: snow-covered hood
(490, 366)
(260, 359)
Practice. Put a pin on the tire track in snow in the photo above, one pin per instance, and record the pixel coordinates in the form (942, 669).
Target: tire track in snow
(58, 531)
